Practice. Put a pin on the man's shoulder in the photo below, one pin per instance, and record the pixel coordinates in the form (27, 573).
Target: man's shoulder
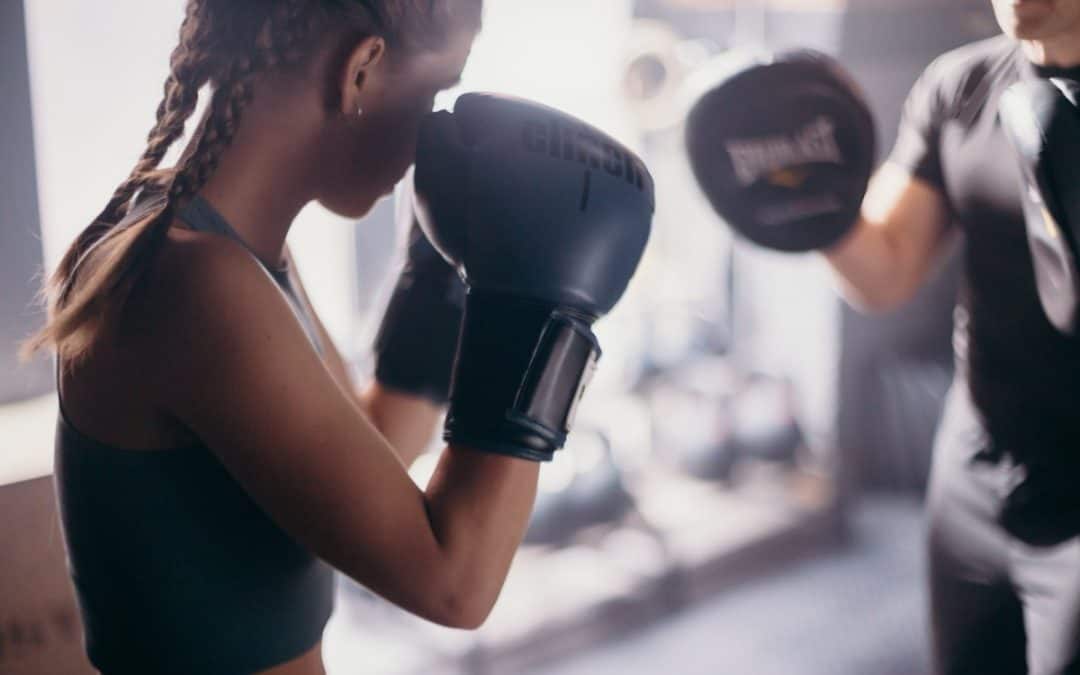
(974, 62)
(983, 52)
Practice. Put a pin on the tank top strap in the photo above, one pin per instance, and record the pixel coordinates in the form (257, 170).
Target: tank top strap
(201, 216)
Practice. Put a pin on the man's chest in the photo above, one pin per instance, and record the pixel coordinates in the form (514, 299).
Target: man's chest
(982, 176)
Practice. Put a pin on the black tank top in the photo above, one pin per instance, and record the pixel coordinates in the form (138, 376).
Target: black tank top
(175, 568)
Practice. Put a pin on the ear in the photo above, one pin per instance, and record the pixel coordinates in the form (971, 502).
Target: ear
(357, 70)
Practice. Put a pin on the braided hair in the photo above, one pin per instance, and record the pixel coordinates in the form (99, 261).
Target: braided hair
(223, 45)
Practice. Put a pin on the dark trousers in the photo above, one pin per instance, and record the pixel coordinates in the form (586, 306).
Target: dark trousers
(998, 605)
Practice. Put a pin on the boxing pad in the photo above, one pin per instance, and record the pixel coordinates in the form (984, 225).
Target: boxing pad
(782, 146)
(546, 219)
(764, 425)
(1042, 121)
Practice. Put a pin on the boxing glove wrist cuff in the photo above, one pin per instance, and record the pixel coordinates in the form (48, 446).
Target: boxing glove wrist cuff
(522, 368)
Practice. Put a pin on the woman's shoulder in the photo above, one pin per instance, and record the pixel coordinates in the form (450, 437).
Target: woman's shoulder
(200, 283)
(116, 391)
(199, 267)
(196, 258)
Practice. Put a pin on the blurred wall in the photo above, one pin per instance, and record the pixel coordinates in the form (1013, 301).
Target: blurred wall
(20, 231)
(96, 74)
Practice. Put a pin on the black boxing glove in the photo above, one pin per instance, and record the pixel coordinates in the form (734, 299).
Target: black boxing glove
(1042, 121)
(417, 339)
(546, 219)
(782, 146)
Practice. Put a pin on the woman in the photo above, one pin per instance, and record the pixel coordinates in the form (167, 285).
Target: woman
(211, 451)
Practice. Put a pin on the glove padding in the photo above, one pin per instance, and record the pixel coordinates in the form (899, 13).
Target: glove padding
(417, 339)
(1042, 121)
(782, 146)
(546, 219)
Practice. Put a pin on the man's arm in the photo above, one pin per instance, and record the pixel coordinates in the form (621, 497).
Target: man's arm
(905, 216)
(902, 228)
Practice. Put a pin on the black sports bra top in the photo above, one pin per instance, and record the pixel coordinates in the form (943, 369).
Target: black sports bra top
(176, 569)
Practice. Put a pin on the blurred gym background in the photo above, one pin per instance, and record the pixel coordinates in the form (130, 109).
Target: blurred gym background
(743, 489)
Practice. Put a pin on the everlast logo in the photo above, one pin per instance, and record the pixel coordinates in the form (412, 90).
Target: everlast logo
(577, 143)
(757, 157)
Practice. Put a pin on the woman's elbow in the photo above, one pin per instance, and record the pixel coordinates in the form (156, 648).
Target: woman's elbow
(463, 609)
(453, 599)
(879, 301)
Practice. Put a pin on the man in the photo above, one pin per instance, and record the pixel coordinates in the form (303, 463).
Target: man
(1004, 556)
(783, 148)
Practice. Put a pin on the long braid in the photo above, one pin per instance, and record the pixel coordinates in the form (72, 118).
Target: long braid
(75, 320)
(224, 44)
(188, 72)
(279, 42)
(214, 134)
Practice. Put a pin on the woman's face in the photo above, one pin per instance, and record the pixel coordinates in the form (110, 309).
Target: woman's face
(379, 145)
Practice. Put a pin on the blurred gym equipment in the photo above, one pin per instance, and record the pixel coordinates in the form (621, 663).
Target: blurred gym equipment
(708, 416)
(582, 487)
(658, 61)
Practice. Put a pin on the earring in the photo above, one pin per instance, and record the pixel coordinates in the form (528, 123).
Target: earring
(360, 112)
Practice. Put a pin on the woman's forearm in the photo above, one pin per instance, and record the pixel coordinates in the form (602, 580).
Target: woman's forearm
(409, 423)
(479, 506)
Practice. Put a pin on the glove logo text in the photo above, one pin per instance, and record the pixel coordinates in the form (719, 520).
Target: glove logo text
(753, 158)
(574, 143)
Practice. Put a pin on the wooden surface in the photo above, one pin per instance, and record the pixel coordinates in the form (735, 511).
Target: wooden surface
(40, 631)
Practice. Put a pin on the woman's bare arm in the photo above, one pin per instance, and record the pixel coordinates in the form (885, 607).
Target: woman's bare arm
(407, 422)
(243, 376)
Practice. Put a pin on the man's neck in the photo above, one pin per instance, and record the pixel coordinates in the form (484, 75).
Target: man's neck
(1060, 52)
